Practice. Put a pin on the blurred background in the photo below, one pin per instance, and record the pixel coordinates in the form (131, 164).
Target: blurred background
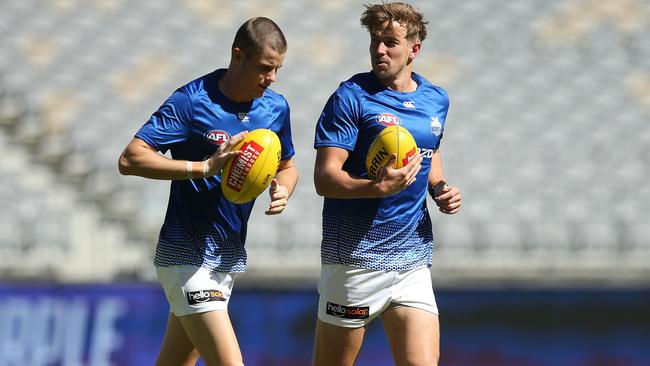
(548, 138)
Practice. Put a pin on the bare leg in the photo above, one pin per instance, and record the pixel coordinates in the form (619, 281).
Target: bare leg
(212, 334)
(337, 346)
(413, 334)
(177, 349)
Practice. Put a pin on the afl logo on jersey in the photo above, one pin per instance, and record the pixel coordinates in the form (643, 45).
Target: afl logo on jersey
(217, 137)
(436, 126)
(387, 119)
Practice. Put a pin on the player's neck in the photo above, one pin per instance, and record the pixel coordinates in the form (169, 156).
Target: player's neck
(402, 83)
(229, 87)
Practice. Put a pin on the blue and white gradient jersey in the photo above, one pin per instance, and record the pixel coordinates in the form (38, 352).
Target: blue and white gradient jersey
(394, 232)
(201, 227)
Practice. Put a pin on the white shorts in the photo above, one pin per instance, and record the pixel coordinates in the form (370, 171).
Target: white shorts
(191, 289)
(352, 297)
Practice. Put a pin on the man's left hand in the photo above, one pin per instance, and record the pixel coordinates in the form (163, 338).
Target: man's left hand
(447, 198)
(279, 198)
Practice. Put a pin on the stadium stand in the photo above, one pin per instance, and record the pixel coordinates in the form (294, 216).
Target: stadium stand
(547, 136)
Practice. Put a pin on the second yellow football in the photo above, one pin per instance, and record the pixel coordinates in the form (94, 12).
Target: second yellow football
(394, 139)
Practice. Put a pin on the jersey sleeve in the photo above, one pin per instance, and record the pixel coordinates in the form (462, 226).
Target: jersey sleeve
(338, 123)
(170, 124)
(285, 135)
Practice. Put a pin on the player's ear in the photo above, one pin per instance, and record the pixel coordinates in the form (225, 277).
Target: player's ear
(415, 49)
(237, 55)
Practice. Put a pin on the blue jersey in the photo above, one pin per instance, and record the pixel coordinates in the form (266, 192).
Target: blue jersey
(393, 232)
(201, 227)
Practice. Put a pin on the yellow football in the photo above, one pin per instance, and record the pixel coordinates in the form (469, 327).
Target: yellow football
(392, 140)
(247, 175)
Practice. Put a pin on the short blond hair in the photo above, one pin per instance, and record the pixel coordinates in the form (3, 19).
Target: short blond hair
(376, 15)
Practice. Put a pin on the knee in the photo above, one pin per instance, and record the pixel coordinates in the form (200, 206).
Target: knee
(432, 360)
(435, 358)
(421, 360)
(226, 363)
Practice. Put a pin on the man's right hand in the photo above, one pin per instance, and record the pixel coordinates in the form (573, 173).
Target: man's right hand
(390, 180)
(225, 151)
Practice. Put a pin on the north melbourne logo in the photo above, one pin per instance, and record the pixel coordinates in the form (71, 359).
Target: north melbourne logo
(347, 312)
(436, 126)
(409, 104)
(199, 297)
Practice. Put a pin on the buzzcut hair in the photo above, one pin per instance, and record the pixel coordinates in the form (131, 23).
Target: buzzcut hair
(256, 33)
(376, 15)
